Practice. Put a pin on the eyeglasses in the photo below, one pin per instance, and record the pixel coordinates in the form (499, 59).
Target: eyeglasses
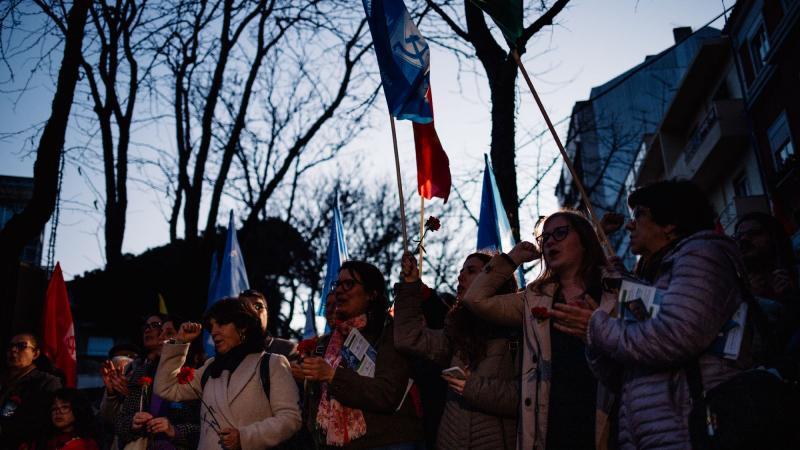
(63, 409)
(559, 234)
(346, 285)
(152, 326)
(20, 346)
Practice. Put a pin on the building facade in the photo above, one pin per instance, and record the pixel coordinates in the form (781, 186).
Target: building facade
(15, 193)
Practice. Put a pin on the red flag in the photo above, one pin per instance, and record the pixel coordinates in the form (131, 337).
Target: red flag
(433, 166)
(58, 331)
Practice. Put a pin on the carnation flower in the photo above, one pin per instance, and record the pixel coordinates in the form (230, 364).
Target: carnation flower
(145, 381)
(432, 224)
(186, 375)
(307, 346)
(540, 313)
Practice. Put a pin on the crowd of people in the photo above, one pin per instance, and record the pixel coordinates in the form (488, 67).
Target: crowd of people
(562, 364)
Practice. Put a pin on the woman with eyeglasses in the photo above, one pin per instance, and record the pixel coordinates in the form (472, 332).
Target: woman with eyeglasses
(482, 402)
(361, 409)
(142, 413)
(71, 427)
(24, 392)
(561, 401)
(251, 400)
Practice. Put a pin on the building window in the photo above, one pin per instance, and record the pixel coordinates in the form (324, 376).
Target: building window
(740, 186)
(780, 142)
(759, 47)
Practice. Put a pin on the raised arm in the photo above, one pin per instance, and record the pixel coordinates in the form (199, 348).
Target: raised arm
(173, 357)
(284, 401)
(411, 335)
(480, 298)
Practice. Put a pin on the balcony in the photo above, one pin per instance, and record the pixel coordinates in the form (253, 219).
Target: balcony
(716, 142)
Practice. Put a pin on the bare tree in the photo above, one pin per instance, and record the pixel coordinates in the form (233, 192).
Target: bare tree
(462, 28)
(29, 223)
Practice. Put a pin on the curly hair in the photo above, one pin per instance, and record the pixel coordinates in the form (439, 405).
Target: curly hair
(468, 332)
(81, 410)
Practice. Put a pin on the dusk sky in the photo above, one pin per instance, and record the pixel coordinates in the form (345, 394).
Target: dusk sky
(594, 41)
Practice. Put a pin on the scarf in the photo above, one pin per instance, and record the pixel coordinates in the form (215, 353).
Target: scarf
(230, 360)
(340, 423)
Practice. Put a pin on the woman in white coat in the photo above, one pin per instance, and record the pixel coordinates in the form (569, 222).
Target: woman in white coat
(244, 416)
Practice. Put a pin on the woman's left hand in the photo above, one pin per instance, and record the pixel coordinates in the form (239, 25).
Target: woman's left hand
(573, 319)
(229, 438)
(161, 425)
(316, 369)
(456, 384)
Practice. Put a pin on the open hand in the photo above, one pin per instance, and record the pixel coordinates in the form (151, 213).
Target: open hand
(189, 331)
(573, 318)
(113, 379)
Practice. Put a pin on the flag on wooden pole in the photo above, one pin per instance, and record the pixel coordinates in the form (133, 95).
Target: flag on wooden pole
(433, 165)
(58, 330)
(162, 305)
(507, 15)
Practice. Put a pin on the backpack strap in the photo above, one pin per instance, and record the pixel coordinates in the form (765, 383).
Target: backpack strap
(263, 371)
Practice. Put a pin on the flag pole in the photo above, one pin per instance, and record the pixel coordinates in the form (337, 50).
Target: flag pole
(567, 160)
(399, 184)
(421, 230)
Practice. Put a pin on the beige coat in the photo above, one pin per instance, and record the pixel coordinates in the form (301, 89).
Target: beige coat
(239, 403)
(515, 310)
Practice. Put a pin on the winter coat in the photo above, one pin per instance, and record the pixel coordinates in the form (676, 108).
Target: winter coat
(184, 417)
(485, 416)
(389, 413)
(238, 399)
(514, 310)
(25, 407)
(700, 293)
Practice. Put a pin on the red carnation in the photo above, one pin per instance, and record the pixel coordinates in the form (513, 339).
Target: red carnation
(307, 346)
(432, 224)
(186, 375)
(145, 381)
(540, 313)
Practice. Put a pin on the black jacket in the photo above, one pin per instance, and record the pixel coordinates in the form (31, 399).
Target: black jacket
(25, 408)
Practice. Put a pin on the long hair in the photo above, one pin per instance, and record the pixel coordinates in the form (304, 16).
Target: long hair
(593, 256)
(374, 283)
(468, 332)
(81, 410)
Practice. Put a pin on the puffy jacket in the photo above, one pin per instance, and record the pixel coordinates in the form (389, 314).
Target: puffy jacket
(701, 293)
(484, 418)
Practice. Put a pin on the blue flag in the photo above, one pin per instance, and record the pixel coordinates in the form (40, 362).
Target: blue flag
(403, 59)
(231, 278)
(337, 254)
(494, 230)
(310, 329)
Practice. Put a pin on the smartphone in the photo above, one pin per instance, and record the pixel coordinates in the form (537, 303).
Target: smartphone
(455, 372)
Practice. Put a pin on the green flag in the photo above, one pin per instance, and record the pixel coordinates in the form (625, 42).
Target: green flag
(507, 14)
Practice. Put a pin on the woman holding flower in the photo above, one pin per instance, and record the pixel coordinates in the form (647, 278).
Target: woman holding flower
(144, 417)
(562, 406)
(480, 412)
(236, 411)
(355, 410)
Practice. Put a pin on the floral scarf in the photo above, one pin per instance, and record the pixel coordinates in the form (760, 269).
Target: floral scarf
(340, 423)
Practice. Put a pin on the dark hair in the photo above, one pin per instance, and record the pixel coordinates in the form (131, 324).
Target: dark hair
(232, 310)
(81, 409)
(254, 294)
(781, 243)
(469, 332)
(373, 282)
(593, 256)
(676, 202)
(162, 317)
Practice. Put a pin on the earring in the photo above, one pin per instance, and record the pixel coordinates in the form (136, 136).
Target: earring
(242, 336)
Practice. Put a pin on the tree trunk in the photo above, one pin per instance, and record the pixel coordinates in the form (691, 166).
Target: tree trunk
(503, 144)
(28, 224)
